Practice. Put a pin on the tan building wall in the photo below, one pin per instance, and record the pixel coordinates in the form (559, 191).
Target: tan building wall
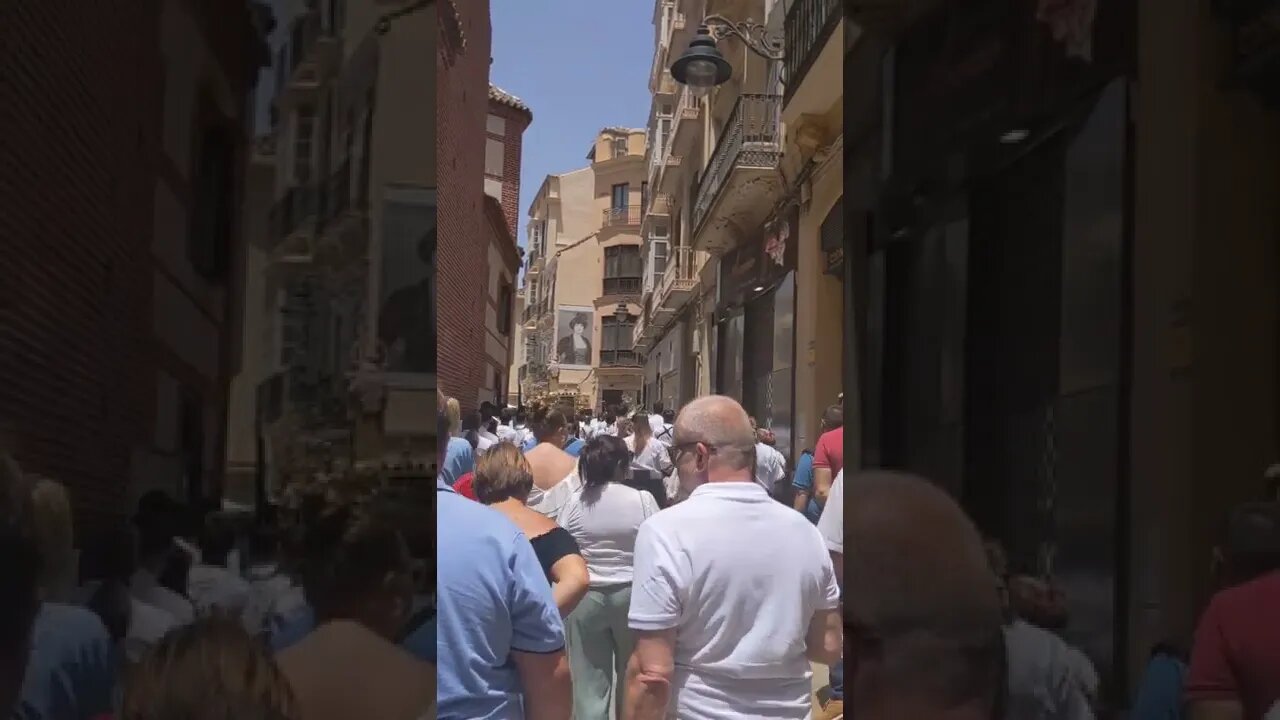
(580, 225)
(1205, 420)
(813, 117)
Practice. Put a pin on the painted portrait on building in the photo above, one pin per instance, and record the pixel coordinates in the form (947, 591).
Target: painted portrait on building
(573, 336)
(407, 313)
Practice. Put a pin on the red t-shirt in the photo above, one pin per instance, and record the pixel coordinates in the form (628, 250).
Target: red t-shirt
(1237, 648)
(829, 452)
(466, 486)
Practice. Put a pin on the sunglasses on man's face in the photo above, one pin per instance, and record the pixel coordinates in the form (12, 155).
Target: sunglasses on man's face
(679, 449)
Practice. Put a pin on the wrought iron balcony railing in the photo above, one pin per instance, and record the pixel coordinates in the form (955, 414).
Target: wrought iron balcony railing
(622, 216)
(750, 138)
(622, 285)
(807, 26)
(619, 359)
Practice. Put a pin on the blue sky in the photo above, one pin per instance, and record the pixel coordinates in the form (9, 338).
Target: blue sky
(580, 65)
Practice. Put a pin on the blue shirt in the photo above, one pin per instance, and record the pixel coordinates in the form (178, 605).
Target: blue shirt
(293, 628)
(71, 673)
(1159, 695)
(528, 444)
(421, 643)
(574, 447)
(459, 459)
(803, 480)
(493, 599)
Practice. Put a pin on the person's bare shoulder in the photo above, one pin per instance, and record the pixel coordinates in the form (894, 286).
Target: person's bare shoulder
(534, 523)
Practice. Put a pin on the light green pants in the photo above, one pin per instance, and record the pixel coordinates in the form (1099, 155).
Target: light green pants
(600, 646)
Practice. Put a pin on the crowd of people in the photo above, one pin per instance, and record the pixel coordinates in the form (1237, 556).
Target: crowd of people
(189, 614)
(616, 570)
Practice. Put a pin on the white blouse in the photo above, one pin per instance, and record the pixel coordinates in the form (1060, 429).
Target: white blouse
(605, 522)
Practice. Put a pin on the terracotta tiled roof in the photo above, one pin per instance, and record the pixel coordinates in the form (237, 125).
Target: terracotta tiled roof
(497, 94)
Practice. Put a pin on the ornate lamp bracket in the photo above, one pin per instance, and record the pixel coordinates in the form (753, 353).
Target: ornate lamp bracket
(756, 36)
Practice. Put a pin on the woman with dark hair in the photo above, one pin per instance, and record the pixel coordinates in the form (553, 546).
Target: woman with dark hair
(604, 516)
(575, 348)
(503, 481)
(554, 470)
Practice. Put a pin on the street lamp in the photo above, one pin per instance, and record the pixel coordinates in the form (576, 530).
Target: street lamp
(621, 313)
(702, 67)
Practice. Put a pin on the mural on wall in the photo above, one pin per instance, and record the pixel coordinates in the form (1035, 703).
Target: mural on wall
(407, 312)
(573, 336)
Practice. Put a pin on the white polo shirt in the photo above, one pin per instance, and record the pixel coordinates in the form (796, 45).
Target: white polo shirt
(739, 576)
(831, 523)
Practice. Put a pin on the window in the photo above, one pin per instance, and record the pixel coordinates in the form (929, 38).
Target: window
(496, 125)
(303, 137)
(537, 237)
(619, 196)
(664, 134)
(619, 147)
(494, 153)
(212, 219)
(505, 300)
(623, 268)
(617, 346)
(644, 194)
(338, 15)
(659, 251)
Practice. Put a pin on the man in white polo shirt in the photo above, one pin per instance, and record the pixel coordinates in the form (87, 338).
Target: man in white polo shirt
(733, 593)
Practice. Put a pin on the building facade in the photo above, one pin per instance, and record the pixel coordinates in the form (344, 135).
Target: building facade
(118, 279)
(583, 278)
(1067, 289)
(344, 337)
(481, 127)
(743, 230)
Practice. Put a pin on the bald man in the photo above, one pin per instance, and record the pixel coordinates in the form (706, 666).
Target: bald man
(733, 594)
(929, 643)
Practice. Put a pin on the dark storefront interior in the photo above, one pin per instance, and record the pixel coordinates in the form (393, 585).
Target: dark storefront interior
(993, 354)
(755, 342)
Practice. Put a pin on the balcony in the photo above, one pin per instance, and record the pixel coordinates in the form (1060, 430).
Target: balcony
(679, 282)
(628, 216)
(668, 172)
(685, 122)
(737, 190)
(314, 53)
(659, 209)
(344, 213)
(293, 214)
(815, 41)
(622, 286)
(626, 361)
(807, 28)
(645, 333)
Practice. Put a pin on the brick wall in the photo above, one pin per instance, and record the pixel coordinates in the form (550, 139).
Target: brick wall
(513, 148)
(83, 91)
(462, 103)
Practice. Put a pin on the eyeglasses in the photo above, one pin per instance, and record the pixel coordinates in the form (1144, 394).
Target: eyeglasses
(675, 451)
